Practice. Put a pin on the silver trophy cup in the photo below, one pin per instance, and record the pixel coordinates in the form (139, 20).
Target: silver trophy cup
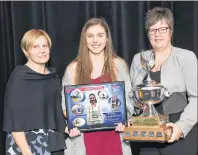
(149, 92)
(150, 125)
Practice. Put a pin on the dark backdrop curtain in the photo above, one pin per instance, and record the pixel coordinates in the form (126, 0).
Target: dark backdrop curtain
(63, 22)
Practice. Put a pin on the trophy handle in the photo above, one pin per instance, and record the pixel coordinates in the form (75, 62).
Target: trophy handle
(167, 93)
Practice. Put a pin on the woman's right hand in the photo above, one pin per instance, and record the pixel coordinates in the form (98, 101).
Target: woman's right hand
(73, 132)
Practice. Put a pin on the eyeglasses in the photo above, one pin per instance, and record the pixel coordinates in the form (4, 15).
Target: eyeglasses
(161, 30)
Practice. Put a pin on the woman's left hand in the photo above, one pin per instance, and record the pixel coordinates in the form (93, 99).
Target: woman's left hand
(176, 134)
(120, 127)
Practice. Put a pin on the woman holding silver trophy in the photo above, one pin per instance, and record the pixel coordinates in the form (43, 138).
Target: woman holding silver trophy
(176, 69)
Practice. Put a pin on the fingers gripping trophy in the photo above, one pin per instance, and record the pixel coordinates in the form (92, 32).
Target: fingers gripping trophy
(150, 125)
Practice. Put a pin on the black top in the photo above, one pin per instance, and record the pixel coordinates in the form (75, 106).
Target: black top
(33, 101)
(155, 76)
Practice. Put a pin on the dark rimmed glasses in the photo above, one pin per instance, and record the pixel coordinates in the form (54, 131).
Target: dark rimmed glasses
(161, 30)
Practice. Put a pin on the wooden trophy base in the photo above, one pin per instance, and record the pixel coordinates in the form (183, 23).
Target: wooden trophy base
(147, 129)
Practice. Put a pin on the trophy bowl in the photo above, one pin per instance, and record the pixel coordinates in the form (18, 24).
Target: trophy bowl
(152, 93)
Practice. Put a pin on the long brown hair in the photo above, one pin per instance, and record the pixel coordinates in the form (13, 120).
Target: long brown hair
(84, 65)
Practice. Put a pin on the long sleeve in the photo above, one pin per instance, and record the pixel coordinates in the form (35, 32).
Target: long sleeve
(189, 117)
(134, 77)
(133, 71)
(123, 75)
(136, 72)
(65, 82)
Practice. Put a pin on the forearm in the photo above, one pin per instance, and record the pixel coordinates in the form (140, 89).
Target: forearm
(65, 82)
(65, 114)
(63, 100)
(189, 117)
(63, 103)
(20, 139)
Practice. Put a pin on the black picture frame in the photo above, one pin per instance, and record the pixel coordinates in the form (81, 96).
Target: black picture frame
(92, 107)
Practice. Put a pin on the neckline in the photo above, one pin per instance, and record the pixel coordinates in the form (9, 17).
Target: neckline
(96, 78)
(49, 72)
(164, 62)
(167, 57)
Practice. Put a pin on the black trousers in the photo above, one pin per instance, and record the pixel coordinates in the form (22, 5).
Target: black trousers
(187, 146)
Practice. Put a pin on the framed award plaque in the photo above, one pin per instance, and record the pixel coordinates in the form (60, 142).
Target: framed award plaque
(94, 107)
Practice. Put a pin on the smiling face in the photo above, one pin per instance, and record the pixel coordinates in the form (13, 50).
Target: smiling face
(92, 98)
(161, 39)
(96, 38)
(39, 52)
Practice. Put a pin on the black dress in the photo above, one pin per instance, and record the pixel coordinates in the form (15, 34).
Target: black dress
(32, 105)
